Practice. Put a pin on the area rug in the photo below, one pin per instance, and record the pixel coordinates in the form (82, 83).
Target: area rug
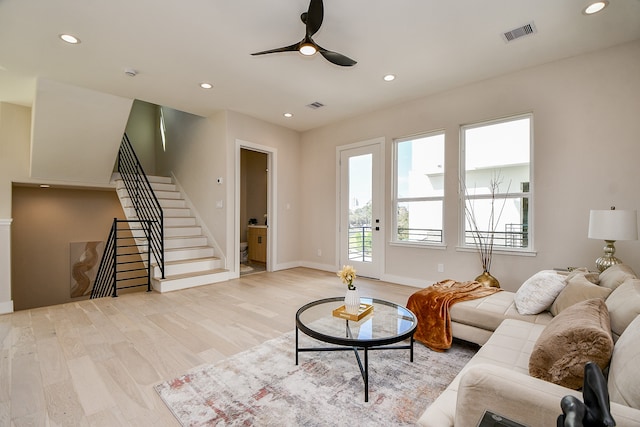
(264, 387)
(244, 268)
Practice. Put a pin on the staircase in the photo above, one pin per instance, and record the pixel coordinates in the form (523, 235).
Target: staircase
(189, 259)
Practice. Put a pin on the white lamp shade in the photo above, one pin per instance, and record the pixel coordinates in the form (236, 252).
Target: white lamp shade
(613, 225)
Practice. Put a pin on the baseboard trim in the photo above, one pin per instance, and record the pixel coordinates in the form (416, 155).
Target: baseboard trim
(287, 265)
(6, 307)
(316, 266)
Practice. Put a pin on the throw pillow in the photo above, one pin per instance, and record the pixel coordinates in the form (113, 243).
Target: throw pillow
(613, 276)
(538, 292)
(579, 334)
(583, 271)
(624, 375)
(624, 305)
(577, 289)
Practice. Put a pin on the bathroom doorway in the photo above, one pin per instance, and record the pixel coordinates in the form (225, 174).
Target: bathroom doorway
(253, 211)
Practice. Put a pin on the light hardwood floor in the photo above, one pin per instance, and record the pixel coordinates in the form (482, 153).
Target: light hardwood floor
(94, 363)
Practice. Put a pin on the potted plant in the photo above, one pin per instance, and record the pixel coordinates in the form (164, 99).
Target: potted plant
(484, 238)
(351, 299)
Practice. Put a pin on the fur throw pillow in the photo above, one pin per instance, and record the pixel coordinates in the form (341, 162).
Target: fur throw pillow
(579, 334)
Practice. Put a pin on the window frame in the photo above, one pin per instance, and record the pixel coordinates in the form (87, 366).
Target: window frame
(517, 194)
(396, 200)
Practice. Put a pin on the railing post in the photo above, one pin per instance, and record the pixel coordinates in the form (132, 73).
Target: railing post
(115, 257)
(363, 242)
(149, 256)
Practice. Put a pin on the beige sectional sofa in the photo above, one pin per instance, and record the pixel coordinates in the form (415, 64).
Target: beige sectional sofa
(497, 378)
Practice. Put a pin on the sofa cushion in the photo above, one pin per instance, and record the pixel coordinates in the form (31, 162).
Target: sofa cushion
(579, 334)
(624, 305)
(615, 275)
(577, 289)
(538, 292)
(624, 375)
(488, 313)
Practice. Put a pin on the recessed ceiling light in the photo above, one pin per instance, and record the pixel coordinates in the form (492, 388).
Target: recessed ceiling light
(389, 77)
(288, 115)
(206, 85)
(595, 7)
(69, 38)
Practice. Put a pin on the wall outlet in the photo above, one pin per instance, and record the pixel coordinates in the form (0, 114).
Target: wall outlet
(319, 252)
(440, 268)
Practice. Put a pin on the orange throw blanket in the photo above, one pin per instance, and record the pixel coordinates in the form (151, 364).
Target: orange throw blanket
(431, 306)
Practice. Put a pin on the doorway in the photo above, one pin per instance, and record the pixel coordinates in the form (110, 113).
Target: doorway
(253, 211)
(361, 236)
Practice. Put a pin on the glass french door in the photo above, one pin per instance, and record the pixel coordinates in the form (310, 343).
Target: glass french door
(361, 234)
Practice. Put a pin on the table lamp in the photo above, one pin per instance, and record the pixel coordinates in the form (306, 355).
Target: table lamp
(611, 225)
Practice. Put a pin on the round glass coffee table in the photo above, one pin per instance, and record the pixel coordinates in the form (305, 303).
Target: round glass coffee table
(387, 324)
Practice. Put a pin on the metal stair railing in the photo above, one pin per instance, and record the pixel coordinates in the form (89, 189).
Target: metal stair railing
(143, 198)
(126, 262)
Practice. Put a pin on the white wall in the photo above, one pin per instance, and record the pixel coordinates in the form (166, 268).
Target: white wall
(14, 165)
(290, 226)
(199, 150)
(76, 133)
(196, 154)
(144, 135)
(586, 150)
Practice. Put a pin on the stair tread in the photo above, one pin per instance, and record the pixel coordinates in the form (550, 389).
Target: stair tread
(186, 261)
(200, 236)
(188, 247)
(193, 274)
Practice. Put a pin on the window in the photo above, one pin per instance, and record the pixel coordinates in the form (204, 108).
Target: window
(419, 189)
(163, 131)
(496, 183)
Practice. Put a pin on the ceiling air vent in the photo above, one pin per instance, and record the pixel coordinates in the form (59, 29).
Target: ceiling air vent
(516, 33)
(315, 105)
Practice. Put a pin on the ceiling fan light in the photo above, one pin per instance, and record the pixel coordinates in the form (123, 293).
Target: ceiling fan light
(307, 49)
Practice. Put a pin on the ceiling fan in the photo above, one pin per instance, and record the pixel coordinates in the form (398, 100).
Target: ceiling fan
(313, 20)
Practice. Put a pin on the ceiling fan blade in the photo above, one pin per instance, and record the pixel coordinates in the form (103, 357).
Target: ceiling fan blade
(314, 18)
(336, 58)
(292, 48)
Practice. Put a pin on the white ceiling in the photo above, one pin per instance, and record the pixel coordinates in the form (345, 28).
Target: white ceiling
(174, 45)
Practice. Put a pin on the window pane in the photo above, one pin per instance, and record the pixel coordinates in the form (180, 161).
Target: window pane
(360, 190)
(420, 221)
(498, 149)
(420, 167)
(360, 216)
(504, 218)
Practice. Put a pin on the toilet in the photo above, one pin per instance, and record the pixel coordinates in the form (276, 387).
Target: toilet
(244, 252)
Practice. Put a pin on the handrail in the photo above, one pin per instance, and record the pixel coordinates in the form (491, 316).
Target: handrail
(143, 198)
(120, 264)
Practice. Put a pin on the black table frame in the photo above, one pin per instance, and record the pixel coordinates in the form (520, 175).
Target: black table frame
(348, 343)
